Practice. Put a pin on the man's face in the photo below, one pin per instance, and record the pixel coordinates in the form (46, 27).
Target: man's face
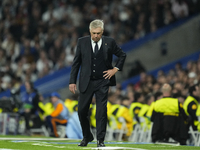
(54, 99)
(126, 102)
(96, 34)
(141, 99)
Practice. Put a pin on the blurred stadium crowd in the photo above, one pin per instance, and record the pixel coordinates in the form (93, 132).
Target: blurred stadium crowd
(39, 37)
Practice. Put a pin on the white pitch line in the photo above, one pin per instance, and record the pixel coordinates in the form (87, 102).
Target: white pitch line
(6, 149)
(40, 139)
(115, 148)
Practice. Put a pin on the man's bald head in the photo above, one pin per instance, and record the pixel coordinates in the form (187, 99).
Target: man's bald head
(166, 90)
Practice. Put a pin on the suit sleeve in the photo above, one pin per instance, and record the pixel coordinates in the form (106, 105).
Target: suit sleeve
(75, 65)
(120, 54)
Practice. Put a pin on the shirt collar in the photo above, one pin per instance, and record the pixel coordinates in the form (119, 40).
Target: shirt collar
(100, 41)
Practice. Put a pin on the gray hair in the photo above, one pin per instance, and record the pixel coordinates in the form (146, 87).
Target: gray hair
(96, 24)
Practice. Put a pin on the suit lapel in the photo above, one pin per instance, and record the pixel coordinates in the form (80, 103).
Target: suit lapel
(105, 49)
(88, 48)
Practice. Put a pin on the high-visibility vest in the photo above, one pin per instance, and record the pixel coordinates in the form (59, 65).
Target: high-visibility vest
(167, 105)
(198, 111)
(109, 105)
(188, 100)
(133, 106)
(112, 116)
(72, 105)
(47, 108)
(93, 116)
(150, 111)
(143, 110)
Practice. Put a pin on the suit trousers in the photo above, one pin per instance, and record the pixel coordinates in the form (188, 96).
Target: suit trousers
(100, 88)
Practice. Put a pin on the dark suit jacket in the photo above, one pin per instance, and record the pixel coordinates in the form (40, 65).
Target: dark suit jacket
(83, 58)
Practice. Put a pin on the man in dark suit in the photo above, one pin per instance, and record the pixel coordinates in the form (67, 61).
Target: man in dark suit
(94, 55)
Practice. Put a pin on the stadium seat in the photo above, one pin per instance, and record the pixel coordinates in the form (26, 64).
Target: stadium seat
(61, 130)
(114, 134)
(195, 135)
(141, 133)
(43, 130)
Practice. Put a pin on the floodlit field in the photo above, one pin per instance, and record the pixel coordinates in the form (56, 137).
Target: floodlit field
(27, 143)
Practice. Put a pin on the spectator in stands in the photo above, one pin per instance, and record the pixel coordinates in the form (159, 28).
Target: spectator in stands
(59, 116)
(43, 62)
(27, 26)
(156, 87)
(51, 15)
(130, 92)
(30, 105)
(180, 8)
(2, 58)
(192, 78)
(61, 62)
(168, 15)
(69, 53)
(11, 47)
(180, 97)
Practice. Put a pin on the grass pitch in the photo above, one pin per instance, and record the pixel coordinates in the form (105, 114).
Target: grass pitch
(27, 143)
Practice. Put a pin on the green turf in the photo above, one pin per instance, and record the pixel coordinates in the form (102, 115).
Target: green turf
(67, 145)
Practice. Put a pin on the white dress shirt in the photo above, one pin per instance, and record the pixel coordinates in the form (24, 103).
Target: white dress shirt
(94, 43)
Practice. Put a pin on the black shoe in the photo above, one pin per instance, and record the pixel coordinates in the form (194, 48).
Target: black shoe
(100, 144)
(85, 141)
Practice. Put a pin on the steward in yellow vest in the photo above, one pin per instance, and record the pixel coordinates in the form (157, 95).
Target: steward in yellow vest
(47, 108)
(157, 96)
(145, 108)
(112, 116)
(198, 111)
(93, 116)
(191, 106)
(111, 100)
(111, 104)
(168, 118)
(136, 106)
(72, 105)
(119, 116)
(124, 113)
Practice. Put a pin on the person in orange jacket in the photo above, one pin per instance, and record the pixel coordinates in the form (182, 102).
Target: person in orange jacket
(59, 116)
